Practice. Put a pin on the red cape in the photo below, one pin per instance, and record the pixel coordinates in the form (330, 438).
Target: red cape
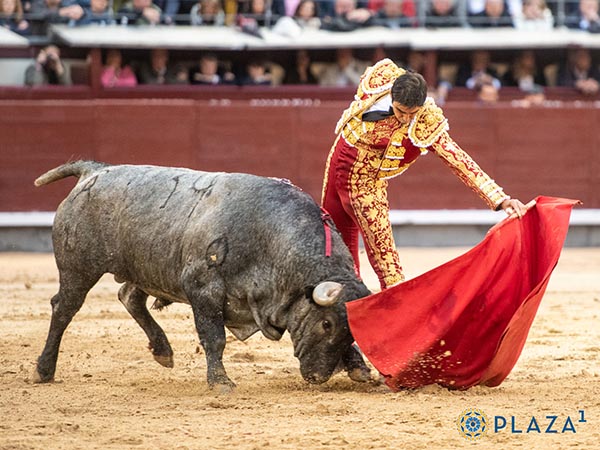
(465, 322)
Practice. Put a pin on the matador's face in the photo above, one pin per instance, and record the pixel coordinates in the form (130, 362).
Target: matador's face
(403, 113)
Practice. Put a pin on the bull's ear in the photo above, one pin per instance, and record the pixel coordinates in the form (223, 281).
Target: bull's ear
(308, 291)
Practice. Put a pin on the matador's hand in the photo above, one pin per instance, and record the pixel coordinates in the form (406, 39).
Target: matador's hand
(515, 208)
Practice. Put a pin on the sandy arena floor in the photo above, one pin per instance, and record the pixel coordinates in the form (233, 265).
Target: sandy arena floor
(110, 394)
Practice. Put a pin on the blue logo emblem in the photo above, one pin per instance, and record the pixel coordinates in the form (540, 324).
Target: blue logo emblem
(472, 424)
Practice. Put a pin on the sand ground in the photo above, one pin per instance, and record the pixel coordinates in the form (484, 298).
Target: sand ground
(110, 394)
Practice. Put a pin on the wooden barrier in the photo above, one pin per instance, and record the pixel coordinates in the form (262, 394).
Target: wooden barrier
(529, 151)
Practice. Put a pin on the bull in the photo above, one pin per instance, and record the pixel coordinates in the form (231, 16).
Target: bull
(245, 252)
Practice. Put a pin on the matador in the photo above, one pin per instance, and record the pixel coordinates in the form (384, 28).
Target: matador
(390, 123)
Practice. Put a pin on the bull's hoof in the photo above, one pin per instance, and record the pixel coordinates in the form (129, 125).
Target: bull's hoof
(165, 361)
(223, 386)
(223, 389)
(360, 375)
(37, 378)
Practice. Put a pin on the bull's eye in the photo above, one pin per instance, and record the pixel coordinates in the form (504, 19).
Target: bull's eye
(326, 324)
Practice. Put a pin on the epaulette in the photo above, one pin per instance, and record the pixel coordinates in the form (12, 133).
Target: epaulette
(375, 83)
(428, 124)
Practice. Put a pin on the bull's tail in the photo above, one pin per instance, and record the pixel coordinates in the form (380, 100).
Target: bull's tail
(71, 169)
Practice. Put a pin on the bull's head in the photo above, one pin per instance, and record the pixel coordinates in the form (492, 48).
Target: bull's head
(319, 328)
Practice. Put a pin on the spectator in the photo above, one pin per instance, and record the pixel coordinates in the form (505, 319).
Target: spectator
(98, 13)
(478, 71)
(442, 14)
(55, 11)
(11, 17)
(415, 61)
(169, 9)
(301, 71)
(587, 17)
(257, 74)
(158, 70)
(140, 12)
(524, 72)
(347, 17)
(207, 12)
(305, 17)
(579, 72)
(282, 8)
(48, 68)
(495, 14)
(114, 73)
(254, 14)
(534, 16)
(207, 72)
(390, 15)
(487, 93)
(346, 71)
(477, 6)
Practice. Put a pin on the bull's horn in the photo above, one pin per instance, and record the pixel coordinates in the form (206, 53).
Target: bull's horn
(326, 293)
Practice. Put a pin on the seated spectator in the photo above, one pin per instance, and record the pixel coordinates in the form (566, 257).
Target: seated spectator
(487, 93)
(207, 12)
(54, 11)
(390, 15)
(169, 9)
(300, 71)
(282, 8)
(347, 17)
(534, 16)
(11, 17)
(305, 17)
(158, 70)
(495, 14)
(98, 13)
(47, 69)
(415, 61)
(255, 14)
(442, 14)
(346, 71)
(477, 72)
(207, 72)
(257, 74)
(477, 6)
(586, 17)
(139, 12)
(114, 73)
(524, 72)
(579, 72)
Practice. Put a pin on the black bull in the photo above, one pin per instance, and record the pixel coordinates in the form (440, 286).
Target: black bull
(246, 252)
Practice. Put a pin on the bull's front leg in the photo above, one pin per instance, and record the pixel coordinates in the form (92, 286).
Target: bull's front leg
(355, 365)
(210, 326)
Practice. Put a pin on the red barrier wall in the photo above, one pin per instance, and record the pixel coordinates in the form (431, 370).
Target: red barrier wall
(550, 151)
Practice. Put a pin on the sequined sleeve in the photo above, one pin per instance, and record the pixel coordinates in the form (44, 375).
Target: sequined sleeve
(468, 171)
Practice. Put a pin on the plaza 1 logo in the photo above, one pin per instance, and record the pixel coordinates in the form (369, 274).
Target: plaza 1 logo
(473, 424)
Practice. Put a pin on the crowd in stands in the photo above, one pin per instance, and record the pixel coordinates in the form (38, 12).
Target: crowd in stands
(28, 17)
(479, 73)
(292, 17)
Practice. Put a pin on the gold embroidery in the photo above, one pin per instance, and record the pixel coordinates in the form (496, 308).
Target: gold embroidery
(369, 202)
(375, 83)
(428, 124)
(468, 171)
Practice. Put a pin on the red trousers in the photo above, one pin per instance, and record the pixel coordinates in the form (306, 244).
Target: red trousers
(357, 202)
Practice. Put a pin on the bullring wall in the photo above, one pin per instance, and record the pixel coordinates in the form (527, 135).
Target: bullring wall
(529, 151)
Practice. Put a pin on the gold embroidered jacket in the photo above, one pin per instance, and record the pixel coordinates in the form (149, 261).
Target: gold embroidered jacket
(387, 148)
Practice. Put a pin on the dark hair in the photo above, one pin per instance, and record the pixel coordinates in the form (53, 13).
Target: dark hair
(409, 89)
